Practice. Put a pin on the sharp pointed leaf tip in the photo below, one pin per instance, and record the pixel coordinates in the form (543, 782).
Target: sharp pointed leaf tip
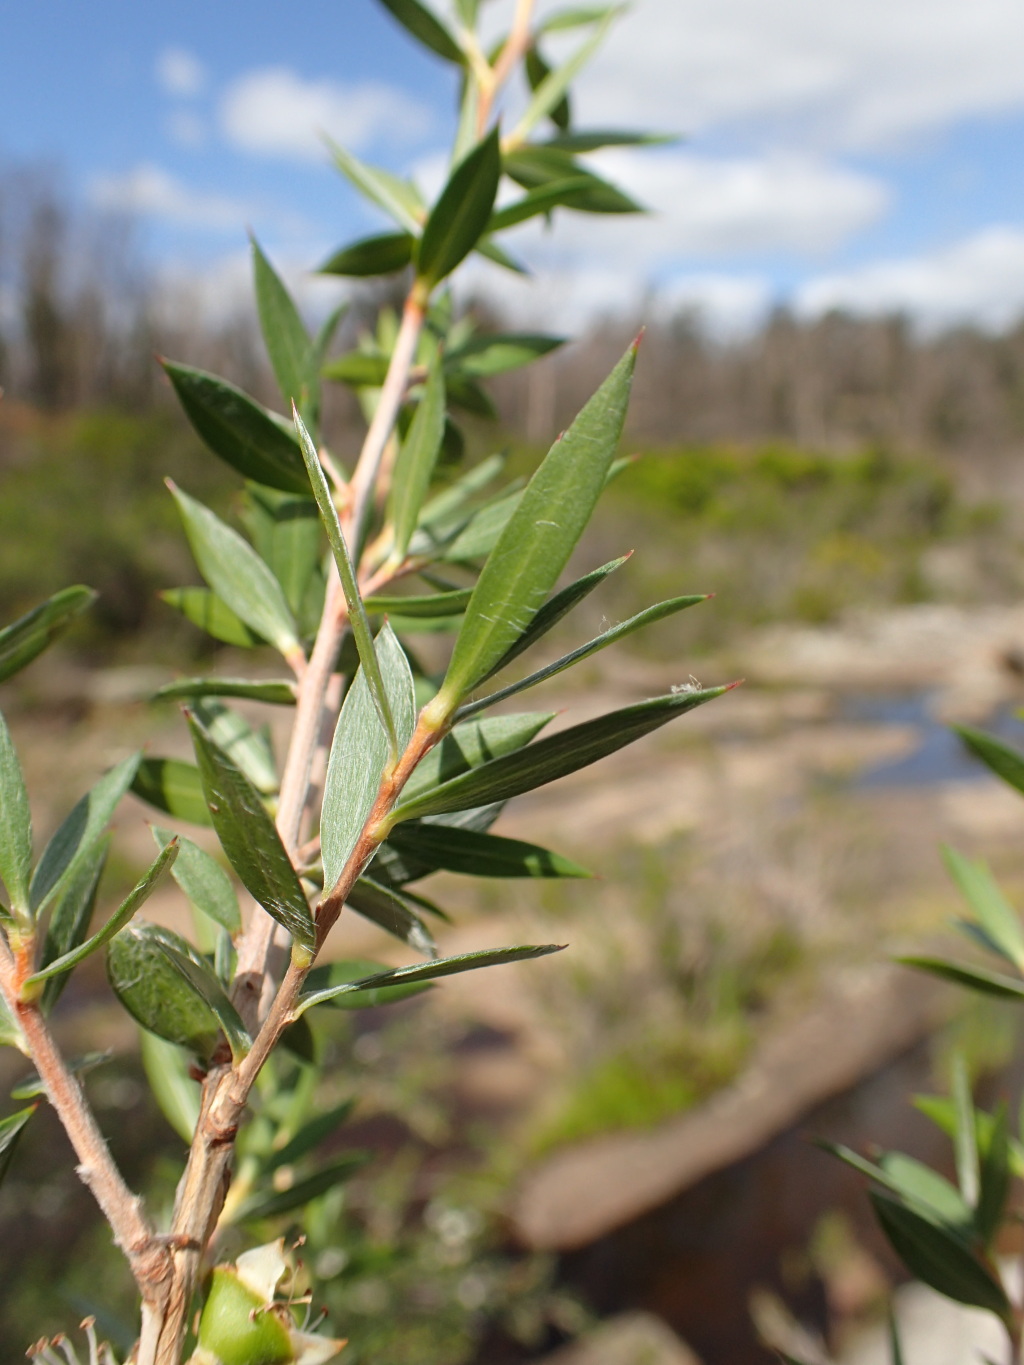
(638, 339)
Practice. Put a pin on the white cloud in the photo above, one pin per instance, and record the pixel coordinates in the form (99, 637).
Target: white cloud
(979, 280)
(275, 112)
(180, 73)
(819, 74)
(151, 192)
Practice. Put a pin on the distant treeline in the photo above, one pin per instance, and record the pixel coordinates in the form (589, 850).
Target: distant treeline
(81, 317)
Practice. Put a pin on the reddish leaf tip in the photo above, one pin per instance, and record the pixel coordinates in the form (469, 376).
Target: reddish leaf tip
(635, 346)
(738, 683)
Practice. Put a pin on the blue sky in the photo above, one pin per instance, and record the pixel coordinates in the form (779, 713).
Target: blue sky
(864, 156)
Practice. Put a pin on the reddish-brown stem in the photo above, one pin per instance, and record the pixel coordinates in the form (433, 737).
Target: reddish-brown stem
(511, 54)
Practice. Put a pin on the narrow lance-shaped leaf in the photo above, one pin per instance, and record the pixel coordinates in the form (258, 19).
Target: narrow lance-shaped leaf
(301, 1192)
(203, 881)
(381, 255)
(167, 1071)
(398, 198)
(459, 218)
(360, 754)
(71, 916)
(994, 1186)
(342, 973)
(940, 1258)
(426, 608)
(250, 840)
(361, 632)
(575, 656)
(174, 787)
(237, 429)
(1004, 761)
(383, 907)
(491, 355)
(276, 692)
(24, 639)
(996, 916)
(548, 759)
(10, 1131)
(560, 193)
(415, 464)
(135, 899)
(582, 140)
(249, 749)
(961, 974)
(576, 17)
(284, 335)
(426, 28)
(155, 993)
(79, 832)
(480, 855)
(309, 1136)
(539, 538)
(15, 825)
(473, 742)
(205, 610)
(237, 574)
(537, 71)
(201, 980)
(429, 971)
(965, 1136)
(552, 89)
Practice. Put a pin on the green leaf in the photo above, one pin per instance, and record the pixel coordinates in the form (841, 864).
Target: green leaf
(205, 610)
(554, 609)
(584, 140)
(414, 466)
(33, 1084)
(575, 656)
(491, 251)
(287, 534)
(450, 502)
(548, 759)
(174, 787)
(558, 193)
(997, 917)
(426, 608)
(942, 1112)
(398, 198)
(965, 1133)
(459, 218)
(237, 574)
(285, 337)
(334, 974)
(199, 977)
(176, 1093)
(939, 1258)
(538, 167)
(428, 971)
(370, 667)
(995, 1181)
(895, 1348)
(358, 369)
(249, 839)
(322, 341)
(484, 530)
(15, 825)
(480, 855)
(279, 692)
(426, 28)
(927, 1191)
(486, 356)
(472, 743)
(249, 749)
(553, 88)
(390, 912)
(577, 17)
(381, 255)
(360, 754)
(154, 992)
(1005, 762)
(11, 1129)
(975, 978)
(540, 536)
(203, 880)
(24, 639)
(537, 71)
(236, 428)
(134, 901)
(297, 1195)
(74, 839)
(71, 916)
(309, 1136)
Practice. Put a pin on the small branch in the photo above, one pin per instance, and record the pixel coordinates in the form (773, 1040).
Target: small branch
(511, 54)
(148, 1258)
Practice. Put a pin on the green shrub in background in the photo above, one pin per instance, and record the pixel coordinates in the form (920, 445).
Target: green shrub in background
(336, 566)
